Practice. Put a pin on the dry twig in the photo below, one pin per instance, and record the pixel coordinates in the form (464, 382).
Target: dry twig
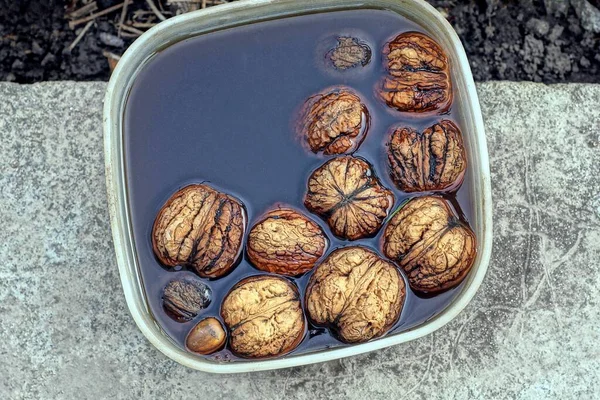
(80, 12)
(92, 17)
(122, 19)
(80, 36)
(131, 29)
(155, 10)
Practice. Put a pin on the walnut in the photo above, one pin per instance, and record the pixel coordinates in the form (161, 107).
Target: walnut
(428, 240)
(286, 242)
(419, 75)
(349, 53)
(432, 160)
(264, 317)
(357, 293)
(183, 299)
(206, 337)
(348, 195)
(334, 122)
(200, 227)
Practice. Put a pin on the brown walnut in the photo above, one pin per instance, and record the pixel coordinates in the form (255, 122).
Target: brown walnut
(430, 243)
(349, 53)
(418, 77)
(200, 227)
(347, 194)
(357, 293)
(286, 242)
(334, 122)
(206, 337)
(183, 299)
(264, 317)
(432, 160)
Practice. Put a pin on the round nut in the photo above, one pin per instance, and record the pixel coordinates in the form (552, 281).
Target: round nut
(419, 75)
(286, 242)
(200, 227)
(264, 317)
(183, 299)
(346, 193)
(432, 160)
(334, 122)
(430, 243)
(349, 53)
(357, 293)
(206, 337)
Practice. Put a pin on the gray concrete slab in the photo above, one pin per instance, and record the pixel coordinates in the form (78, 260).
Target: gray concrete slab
(532, 332)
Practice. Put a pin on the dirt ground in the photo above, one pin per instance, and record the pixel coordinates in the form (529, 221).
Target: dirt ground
(537, 40)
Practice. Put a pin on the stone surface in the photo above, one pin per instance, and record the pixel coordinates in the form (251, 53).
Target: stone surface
(532, 331)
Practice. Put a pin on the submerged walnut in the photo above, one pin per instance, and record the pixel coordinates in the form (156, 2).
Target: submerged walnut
(286, 242)
(183, 299)
(334, 122)
(432, 160)
(200, 227)
(419, 75)
(357, 293)
(349, 53)
(430, 243)
(264, 317)
(348, 195)
(206, 337)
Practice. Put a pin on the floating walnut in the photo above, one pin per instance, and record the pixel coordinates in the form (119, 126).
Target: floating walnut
(419, 75)
(286, 242)
(200, 227)
(183, 299)
(430, 243)
(357, 293)
(349, 53)
(264, 317)
(206, 337)
(432, 160)
(334, 122)
(348, 195)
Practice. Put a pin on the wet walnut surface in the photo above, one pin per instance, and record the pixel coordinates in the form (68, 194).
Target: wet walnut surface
(430, 161)
(349, 53)
(184, 298)
(334, 122)
(348, 195)
(202, 228)
(431, 244)
(418, 77)
(207, 337)
(357, 293)
(285, 242)
(264, 317)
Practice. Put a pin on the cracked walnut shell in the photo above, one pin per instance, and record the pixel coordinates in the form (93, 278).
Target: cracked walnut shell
(184, 298)
(432, 160)
(286, 242)
(346, 193)
(357, 293)
(264, 317)
(349, 53)
(200, 227)
(334, 122)
(431, 244)
(418, 77)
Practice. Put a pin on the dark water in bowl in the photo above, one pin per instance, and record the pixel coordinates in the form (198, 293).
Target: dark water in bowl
(220, 108)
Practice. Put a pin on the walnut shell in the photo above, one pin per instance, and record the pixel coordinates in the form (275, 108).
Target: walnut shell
(184, 298)
(200, 227)
(430, 243)
(346, 193)
(357, 293)
(264, 317)
(334, 122)
(286, 242)
(349, 53)
(206, 337)
(419, 75)
(432, 160)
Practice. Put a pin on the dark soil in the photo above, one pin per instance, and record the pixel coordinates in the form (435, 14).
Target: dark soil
(537, 40)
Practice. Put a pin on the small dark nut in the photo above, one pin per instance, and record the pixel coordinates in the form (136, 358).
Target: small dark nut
(419, 75)
(432, 160)
(286, 242)
(200, 227)
(206, 337)
(264, 317)
(346, 193)
(357, 293)
(349, 53)
(430, 243)
(334, 122)
(184, 299)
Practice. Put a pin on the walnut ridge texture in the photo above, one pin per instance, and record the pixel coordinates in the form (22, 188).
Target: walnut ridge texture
(357, 293)
(349, 53)
(183, 299)
(431, 244)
